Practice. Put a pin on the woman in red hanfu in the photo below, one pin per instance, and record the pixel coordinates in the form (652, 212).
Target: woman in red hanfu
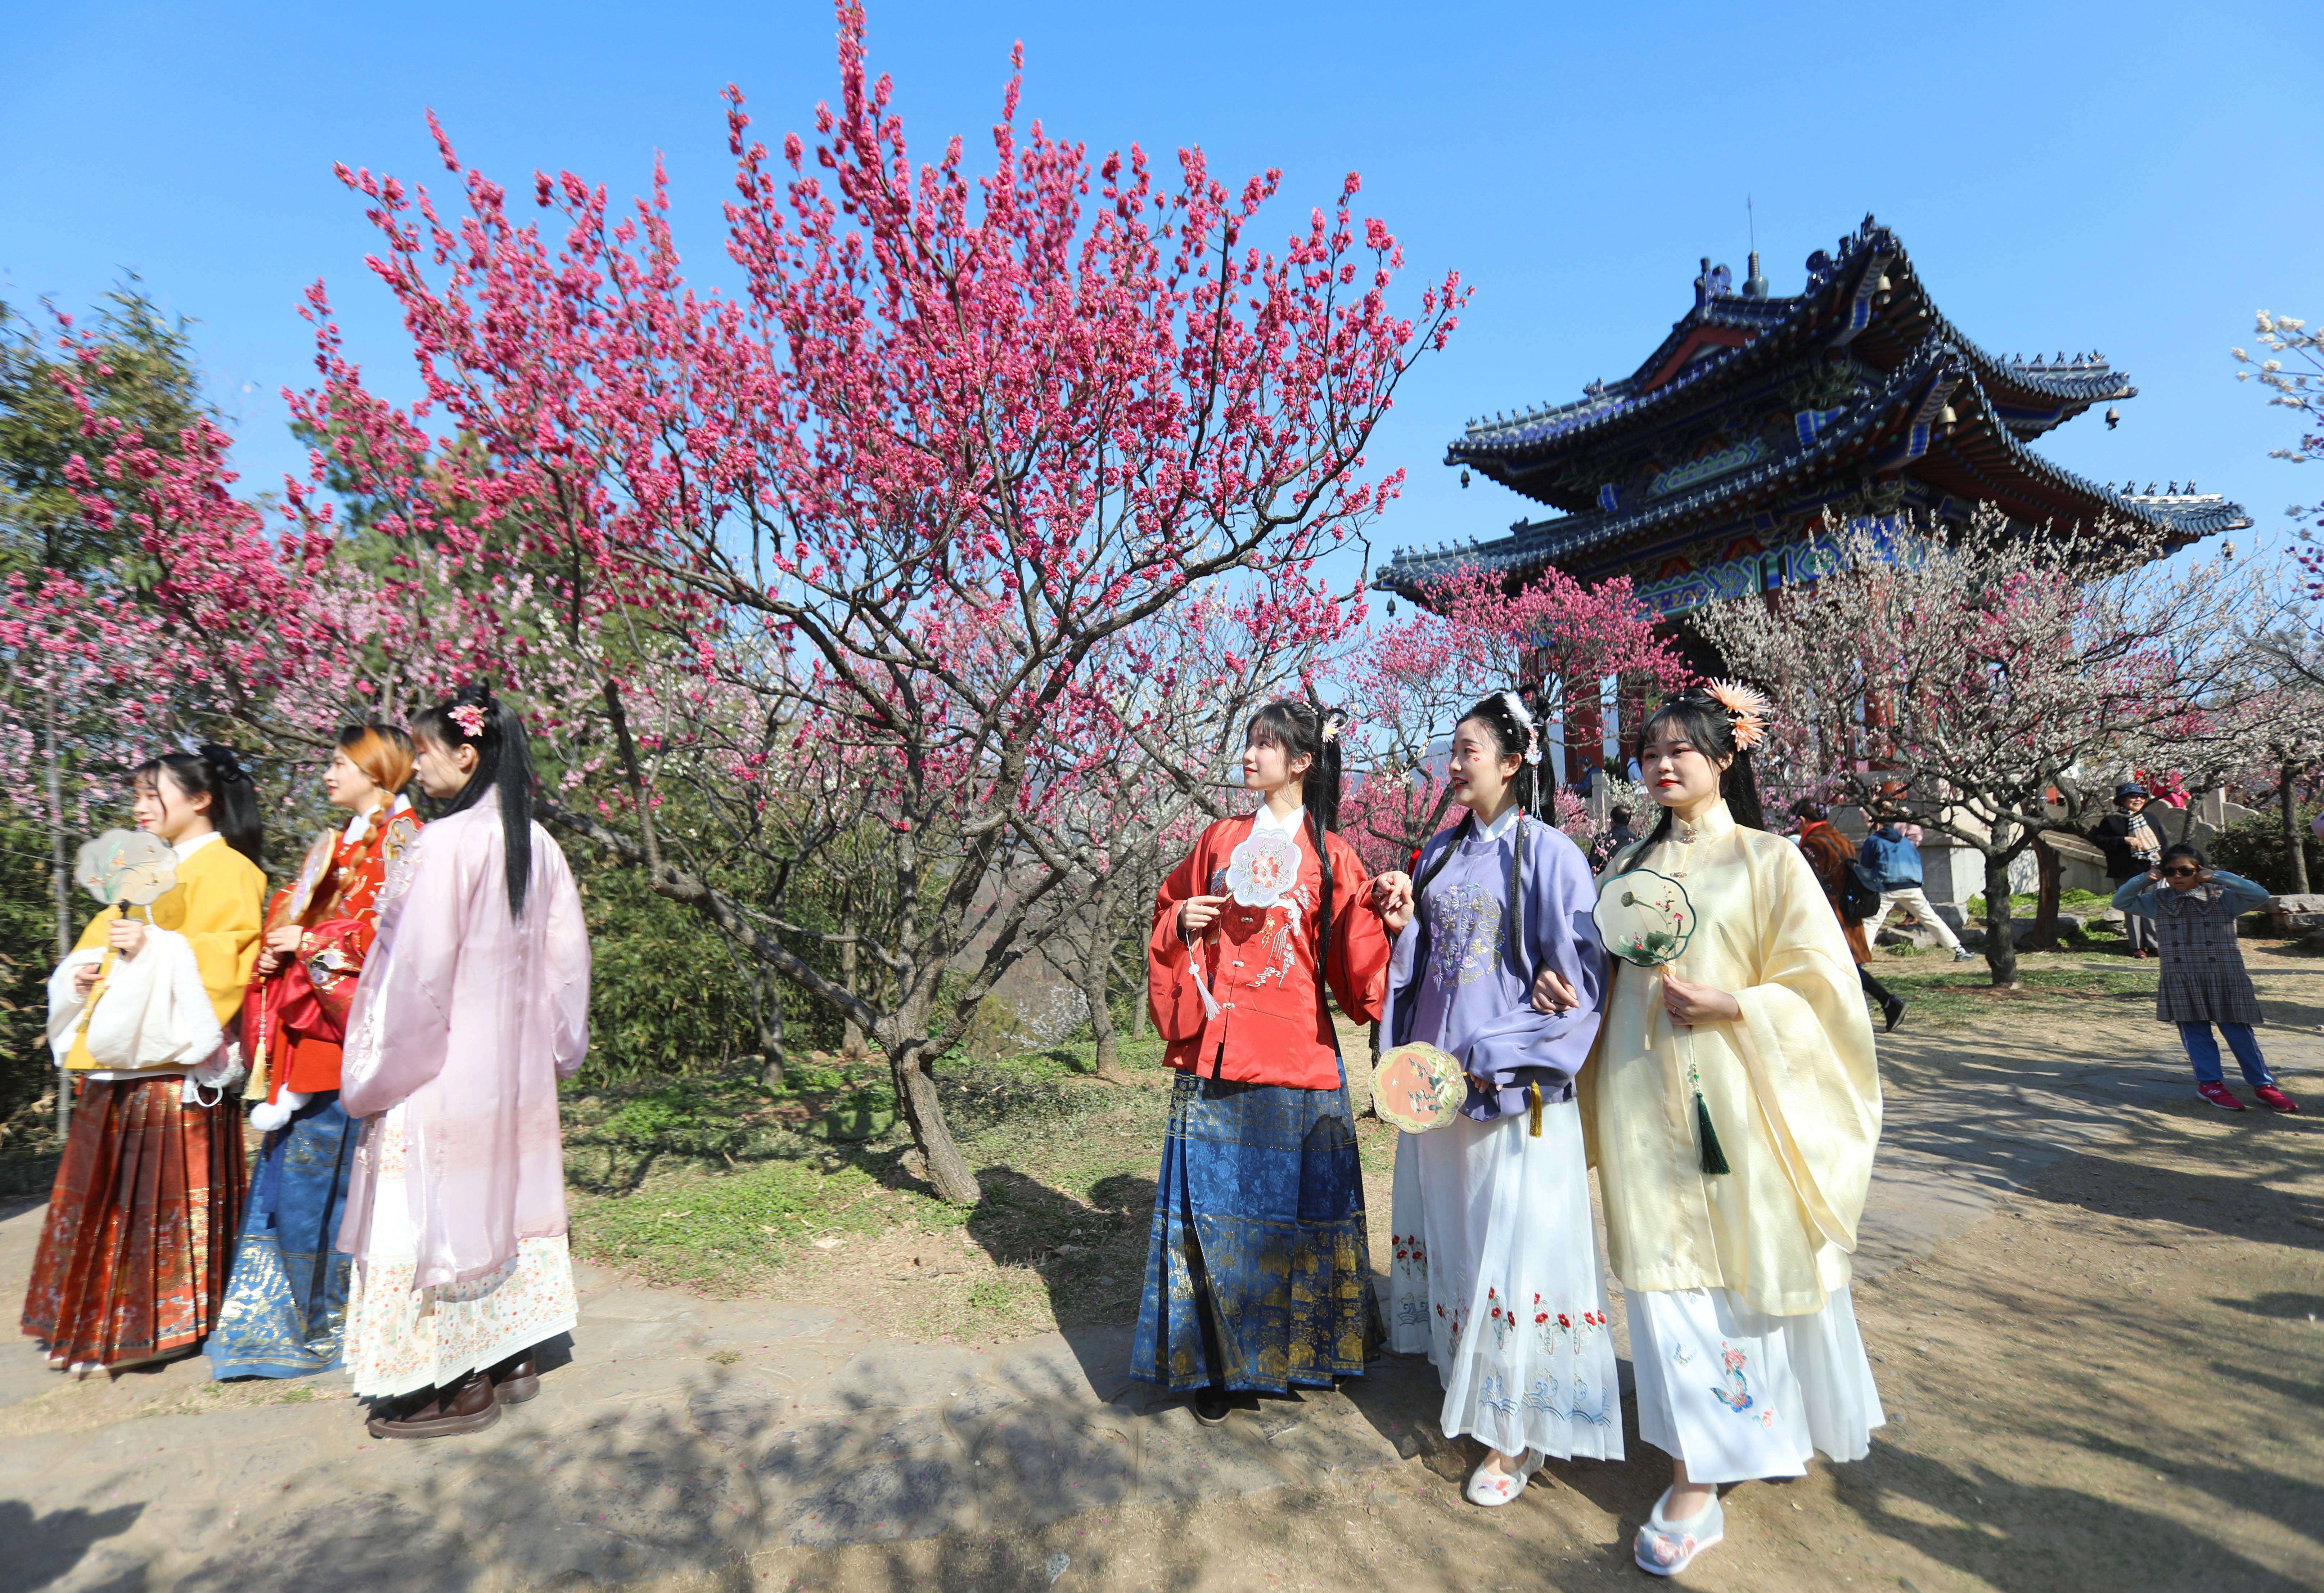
(1259, 1276)
(286, 1305)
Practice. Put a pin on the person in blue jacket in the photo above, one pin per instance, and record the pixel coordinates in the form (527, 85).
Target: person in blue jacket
(1891, 855)
(2194, 908)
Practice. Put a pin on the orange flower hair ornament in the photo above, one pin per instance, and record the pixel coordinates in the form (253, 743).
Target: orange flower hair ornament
(1745, 707)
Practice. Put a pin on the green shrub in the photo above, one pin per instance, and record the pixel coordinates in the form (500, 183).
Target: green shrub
(2253, 848)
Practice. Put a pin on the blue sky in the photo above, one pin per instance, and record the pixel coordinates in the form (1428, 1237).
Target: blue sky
(2127, 176)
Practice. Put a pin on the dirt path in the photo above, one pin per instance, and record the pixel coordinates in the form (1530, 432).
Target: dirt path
(2092, 1302)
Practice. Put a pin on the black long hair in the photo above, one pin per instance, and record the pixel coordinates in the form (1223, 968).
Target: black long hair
(504, 765)
(1513, 737)
(216, 773)
(1707, 726)
(1312, 730)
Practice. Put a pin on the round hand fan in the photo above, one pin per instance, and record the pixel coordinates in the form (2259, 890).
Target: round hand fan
(1263, 869)
(1644, 917)
(126, 866)
(1419, 1088)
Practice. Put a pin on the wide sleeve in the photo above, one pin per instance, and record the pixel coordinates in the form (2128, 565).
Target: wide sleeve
(1806, 1043)
(221, 928)
(1409, 954)
(399, 1027)
(1359, 945)
(567, 931)
(1171, 995)
(1522, 1047)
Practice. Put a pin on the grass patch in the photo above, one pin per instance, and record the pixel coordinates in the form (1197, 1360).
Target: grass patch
(1955, 995)
(716, 1185)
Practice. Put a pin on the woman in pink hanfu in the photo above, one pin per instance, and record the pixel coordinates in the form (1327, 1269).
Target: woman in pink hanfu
(475, 1001)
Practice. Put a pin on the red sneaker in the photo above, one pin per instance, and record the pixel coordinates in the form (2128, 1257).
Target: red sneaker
(2221, 1096)
(2275, 1100)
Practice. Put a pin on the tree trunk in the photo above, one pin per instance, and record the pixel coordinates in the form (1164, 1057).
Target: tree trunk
(916, 1094)
(1093, 992)
(59, 891)
(2045, 907)
(2000, 946)
(767, 1017)
(2295, 853)
(850, 1044)
(1097, 970)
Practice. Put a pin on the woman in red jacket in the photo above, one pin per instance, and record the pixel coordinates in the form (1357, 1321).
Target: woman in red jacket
(1259, 1276)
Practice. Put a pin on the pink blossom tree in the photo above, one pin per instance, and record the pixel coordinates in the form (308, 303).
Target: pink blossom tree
(894, 504)
(1416, 677)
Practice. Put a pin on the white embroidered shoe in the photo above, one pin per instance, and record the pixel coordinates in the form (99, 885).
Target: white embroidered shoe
(1666, 1548)
(1488, 1487)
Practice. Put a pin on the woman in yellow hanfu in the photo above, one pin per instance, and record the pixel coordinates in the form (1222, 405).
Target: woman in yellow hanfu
(1731, 1112)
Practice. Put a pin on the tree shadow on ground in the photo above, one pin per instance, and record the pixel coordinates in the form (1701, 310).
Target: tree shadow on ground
(1090, 1256)
(42, 1550)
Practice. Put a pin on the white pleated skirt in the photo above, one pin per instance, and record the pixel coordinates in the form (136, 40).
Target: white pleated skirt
(1739, 1394)
(1495, 1277)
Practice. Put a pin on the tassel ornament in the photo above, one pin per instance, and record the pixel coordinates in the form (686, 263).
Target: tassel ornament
(1714, 1159)
(1534, 1090)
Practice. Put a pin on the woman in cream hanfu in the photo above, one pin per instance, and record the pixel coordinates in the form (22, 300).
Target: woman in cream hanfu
(286, 1307)
(1258, 1278)
(134, 1254)
(475, 1003)
(1495, 1276)
(1731, 1111)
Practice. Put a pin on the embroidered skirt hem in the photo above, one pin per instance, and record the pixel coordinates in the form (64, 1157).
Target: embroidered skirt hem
(133, 1255)
(1258, 1273)
(286, 1306)
(1494, 1276)
(402, 1338)
(1739, 1395)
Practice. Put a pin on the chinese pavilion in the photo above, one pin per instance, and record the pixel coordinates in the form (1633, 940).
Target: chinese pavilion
(1705, 473)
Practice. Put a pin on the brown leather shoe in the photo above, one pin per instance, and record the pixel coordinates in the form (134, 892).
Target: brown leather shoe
(467, 1406)
(514, 1380)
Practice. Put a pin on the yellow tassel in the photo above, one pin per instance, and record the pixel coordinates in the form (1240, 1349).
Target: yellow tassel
(1534, 1090)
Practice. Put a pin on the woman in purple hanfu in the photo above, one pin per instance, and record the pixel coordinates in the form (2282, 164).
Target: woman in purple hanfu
(1495, 1273)
(475, 1003)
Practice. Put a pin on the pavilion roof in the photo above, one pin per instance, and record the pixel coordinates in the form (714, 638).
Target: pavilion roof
(1980, 460)
(1864, 313)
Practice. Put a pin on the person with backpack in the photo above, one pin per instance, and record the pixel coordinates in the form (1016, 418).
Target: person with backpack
(1891, 858)
(1853, 897)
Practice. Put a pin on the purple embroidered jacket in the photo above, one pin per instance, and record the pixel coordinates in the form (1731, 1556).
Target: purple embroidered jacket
(1455, 983)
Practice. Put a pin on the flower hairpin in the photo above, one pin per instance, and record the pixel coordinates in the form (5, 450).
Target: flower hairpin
(1746, 708)
(1516, 705)
(470, 718)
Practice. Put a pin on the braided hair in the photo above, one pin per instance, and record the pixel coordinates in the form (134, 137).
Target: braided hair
(384, 753)
(475, 717)
(1310, 730)
(215, 772)
(1709, 726)
(1503, 717)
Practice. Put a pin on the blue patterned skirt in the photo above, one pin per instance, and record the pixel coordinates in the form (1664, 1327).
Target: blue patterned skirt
(1259, 1275)
(286, 1305)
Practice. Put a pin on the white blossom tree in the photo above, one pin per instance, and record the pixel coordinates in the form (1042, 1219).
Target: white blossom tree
(2006, 677)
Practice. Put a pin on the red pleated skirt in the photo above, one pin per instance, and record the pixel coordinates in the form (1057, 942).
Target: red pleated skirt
(140, 1235)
